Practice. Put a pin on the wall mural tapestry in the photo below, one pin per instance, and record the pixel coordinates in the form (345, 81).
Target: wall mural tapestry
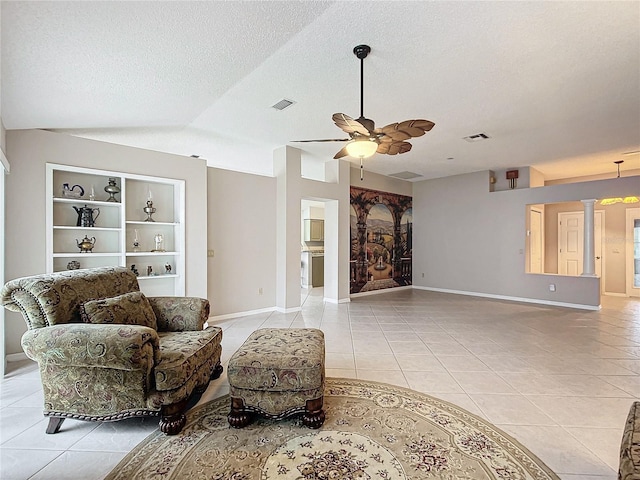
(381, 228)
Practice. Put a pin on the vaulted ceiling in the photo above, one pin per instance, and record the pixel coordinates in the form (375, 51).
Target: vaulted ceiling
(555, 85)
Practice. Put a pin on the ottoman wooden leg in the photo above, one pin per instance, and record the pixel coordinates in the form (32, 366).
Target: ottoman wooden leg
(238, 417)
(313, 416)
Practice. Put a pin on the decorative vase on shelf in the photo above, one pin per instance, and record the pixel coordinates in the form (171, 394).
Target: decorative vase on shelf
(149, 210)
(136, 242)
(112, 189)
(159, 239)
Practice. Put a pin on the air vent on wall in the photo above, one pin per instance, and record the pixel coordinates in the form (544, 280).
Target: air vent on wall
(476, 138)
(405, 175)
(282, 104)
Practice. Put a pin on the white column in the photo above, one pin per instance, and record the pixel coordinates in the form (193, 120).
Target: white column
(287, 170)
(589, 260)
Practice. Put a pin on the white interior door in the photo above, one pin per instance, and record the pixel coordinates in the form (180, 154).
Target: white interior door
(571, 243)
(633, 252)
(535, 241)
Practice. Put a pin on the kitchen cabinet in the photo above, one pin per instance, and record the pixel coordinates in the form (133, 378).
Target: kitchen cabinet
(313, 230)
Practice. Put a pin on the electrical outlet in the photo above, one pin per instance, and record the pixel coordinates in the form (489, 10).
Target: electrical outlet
(260, 291)
(552, 287)
(209, 253)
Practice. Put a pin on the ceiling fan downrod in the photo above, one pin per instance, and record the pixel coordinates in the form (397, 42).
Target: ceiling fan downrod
(361, 51)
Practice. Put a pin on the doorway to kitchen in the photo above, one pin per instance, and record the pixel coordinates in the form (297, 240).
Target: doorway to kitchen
(312, 243)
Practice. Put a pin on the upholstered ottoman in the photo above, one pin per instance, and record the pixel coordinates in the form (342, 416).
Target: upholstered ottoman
(278, 372)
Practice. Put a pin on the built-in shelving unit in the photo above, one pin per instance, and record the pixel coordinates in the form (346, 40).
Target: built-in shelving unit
(117, 225)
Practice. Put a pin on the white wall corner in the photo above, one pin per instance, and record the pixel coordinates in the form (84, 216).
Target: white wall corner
(5, 161)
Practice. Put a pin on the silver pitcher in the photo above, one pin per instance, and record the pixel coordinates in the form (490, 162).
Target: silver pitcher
(86, 217)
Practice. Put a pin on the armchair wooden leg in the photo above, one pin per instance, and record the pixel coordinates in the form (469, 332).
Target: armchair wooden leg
(217, 371)
(54, 424)
(172, 418)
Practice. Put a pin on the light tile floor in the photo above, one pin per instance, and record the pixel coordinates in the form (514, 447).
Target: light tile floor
(559, 380)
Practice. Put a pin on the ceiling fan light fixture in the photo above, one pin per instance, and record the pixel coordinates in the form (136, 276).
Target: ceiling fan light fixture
(361, 147)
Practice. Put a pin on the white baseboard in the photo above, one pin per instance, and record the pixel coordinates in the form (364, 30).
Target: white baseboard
(613, 294)
(382, 290)
(288, 310)
(246, 313)
(512, 299)
(340, 300)
(16, 357)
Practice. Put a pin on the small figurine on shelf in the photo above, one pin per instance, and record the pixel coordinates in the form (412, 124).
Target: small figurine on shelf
(73, 265)
(159, 239)
(134, 270)
(136, 243)
(149, 270)
(71, 192)
(86, 245)
(149, 210)
(167, 269)
(112, 189)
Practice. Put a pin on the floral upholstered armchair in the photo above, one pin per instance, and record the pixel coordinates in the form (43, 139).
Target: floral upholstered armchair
(107, 352)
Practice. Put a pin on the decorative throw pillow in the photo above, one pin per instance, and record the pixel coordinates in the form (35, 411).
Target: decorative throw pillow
(131, 308)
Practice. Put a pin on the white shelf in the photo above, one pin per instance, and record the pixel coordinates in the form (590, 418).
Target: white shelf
(101, 203)
(133, 222)
(86, 254)
(104, 229)
(117, 222)
(157, 277)
(149, 254)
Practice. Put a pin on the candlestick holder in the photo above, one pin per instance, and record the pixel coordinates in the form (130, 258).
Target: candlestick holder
(136, 242)
(149, 210)
(159, 240)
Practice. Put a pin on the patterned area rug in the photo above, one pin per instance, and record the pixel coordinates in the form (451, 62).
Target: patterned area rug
(372, 431)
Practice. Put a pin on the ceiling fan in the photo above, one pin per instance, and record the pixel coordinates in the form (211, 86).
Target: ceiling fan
(364, 138)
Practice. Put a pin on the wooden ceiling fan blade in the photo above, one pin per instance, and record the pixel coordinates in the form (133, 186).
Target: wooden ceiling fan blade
(342, 153)
(348, 124)
(397, 135)
(425, 125)
(322, 140)
(383, 148)
(396, 148)
(411, 131)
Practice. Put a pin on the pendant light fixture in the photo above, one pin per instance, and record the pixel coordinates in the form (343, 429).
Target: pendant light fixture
(614, 200)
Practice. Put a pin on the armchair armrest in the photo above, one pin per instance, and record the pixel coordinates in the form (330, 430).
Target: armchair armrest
(179, 314)
(122, 347)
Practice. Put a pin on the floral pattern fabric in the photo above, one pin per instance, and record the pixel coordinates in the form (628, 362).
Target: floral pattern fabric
(55, 298)
(629, 468)
(277, 370)
(179, 314)
(131, 308)
(181, 354)
(111, 371)
(372, 431)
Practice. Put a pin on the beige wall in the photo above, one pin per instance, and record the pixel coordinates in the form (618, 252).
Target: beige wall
(467, 239)
(374, 181)
(241, 232)
(613, 245)
(30, 150)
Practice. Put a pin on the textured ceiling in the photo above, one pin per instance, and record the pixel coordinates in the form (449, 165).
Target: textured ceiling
(555, 85)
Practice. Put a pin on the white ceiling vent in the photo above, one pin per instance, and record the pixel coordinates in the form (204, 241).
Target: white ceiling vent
(282, 104)
(476, 138)
(405, 175)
